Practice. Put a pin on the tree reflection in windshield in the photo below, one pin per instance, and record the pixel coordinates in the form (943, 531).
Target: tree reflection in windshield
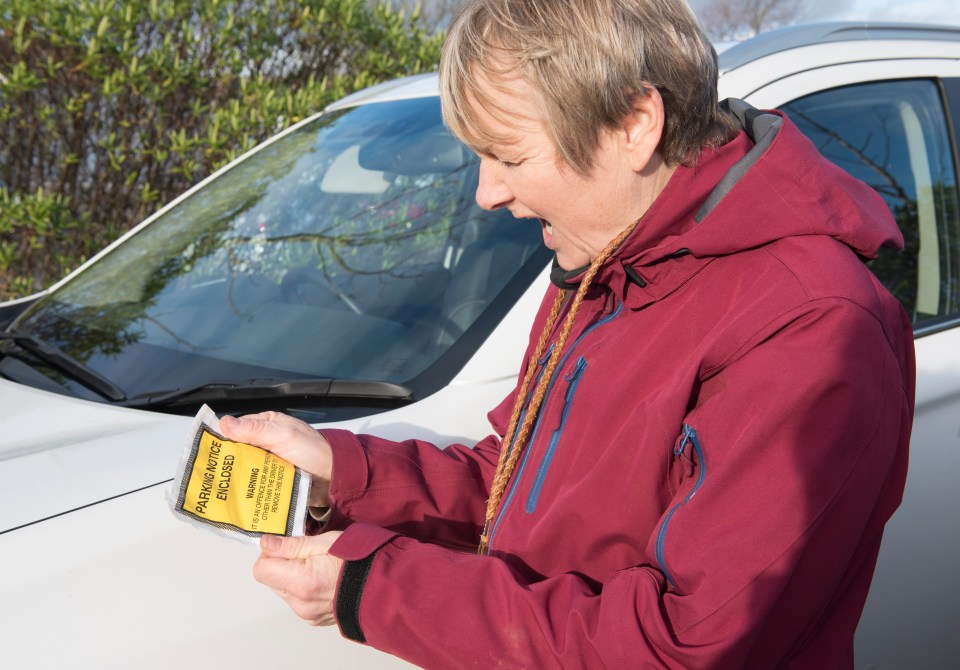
(349, 248)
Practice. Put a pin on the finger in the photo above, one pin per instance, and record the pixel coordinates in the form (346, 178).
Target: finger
(296, 579)
(275, 573)
(309, 592)
(289, 438)
(313, 612)
(262, 429)
(283, 547)
(296, 547)
(272, 417)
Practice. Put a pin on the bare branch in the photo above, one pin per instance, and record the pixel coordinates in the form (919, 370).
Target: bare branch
(740, 19)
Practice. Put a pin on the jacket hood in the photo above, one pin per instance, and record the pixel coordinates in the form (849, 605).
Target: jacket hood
(766, 184)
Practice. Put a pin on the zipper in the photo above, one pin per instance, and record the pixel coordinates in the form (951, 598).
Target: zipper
(574, 379)
(541, 365)
(518, 474)
(689, 436)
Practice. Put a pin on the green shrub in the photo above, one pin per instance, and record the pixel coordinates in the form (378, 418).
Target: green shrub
(110, 108)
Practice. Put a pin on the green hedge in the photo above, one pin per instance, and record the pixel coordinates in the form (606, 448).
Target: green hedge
(110, 108)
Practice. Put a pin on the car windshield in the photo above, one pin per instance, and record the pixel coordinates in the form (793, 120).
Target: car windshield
(350, 248)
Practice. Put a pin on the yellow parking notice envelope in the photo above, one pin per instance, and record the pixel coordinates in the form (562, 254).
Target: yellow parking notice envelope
(236, 489)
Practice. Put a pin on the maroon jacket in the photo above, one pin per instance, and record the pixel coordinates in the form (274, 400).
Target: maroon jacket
(713, 466)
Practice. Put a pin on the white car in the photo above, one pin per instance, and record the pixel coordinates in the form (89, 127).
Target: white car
(343, 273)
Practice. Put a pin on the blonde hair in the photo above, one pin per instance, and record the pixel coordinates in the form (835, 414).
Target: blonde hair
(587, 61)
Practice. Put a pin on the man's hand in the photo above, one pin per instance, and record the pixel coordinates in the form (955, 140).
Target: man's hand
(300, 571)
(290, 439)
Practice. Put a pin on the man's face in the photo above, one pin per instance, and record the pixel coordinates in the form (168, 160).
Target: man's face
(524, 174)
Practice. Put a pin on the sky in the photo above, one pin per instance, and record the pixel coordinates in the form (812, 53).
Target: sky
(917, 11)
(936, 12)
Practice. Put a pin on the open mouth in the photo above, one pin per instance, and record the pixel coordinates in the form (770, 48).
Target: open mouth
(547, 228)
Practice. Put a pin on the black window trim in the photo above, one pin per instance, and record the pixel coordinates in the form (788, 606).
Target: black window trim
(950, 96)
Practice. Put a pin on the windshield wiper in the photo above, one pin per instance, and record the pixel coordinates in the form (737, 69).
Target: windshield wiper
(266, 389)
(59, 359)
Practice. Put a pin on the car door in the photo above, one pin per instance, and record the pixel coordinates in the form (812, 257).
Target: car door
(892, 123)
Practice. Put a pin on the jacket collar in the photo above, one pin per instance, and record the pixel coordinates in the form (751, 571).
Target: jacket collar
(768, 183)
(652, 261)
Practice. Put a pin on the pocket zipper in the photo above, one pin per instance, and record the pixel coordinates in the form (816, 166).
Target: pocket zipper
(574, 379)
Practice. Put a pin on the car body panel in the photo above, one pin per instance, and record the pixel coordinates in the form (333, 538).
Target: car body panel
(801, 83)
(62, 453)
(919, 594)
(745, 80)
(134, 588)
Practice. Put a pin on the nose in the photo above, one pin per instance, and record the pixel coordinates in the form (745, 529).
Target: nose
(492, 191)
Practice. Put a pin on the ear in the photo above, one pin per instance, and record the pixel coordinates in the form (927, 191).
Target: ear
(642, 130)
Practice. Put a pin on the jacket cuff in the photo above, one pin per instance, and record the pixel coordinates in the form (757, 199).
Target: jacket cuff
(358, 546)
(350, 473)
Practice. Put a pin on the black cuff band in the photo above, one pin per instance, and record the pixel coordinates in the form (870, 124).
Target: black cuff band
(348, 597)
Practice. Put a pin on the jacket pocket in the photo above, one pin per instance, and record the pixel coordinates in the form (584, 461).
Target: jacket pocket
(689, 452)
(573, 380)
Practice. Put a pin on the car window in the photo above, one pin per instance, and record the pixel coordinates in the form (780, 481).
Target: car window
(893, 135)
(350, 248)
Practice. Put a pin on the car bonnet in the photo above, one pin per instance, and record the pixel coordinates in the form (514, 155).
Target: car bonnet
(59, 454)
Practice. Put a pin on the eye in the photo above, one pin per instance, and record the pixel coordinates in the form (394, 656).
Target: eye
(489, 155)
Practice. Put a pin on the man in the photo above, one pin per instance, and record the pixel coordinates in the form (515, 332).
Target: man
(711, 426)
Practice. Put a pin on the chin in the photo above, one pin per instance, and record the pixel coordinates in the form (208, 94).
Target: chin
(575, 263)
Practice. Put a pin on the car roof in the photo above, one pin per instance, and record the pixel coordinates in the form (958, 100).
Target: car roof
(732, 55)
(811, 34)
(415, 86)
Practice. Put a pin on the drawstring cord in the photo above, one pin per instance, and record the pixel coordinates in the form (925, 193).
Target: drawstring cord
(511, 447)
